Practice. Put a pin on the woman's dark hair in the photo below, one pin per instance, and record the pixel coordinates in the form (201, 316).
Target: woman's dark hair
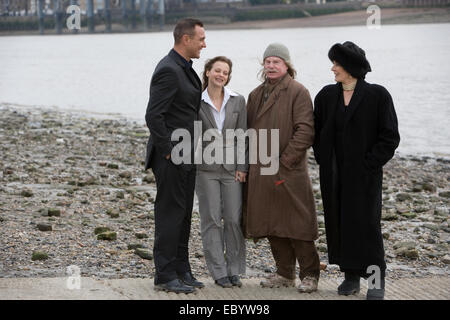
(208, 66)
(351, 57)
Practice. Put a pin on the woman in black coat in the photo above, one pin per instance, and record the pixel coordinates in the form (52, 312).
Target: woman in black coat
(356, 134)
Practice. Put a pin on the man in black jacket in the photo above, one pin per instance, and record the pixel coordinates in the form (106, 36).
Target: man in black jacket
(175, 93)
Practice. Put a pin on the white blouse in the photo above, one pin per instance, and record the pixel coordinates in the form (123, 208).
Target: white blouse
(219, 117)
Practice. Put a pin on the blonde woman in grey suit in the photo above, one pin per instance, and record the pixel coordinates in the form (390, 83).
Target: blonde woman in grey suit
(219, 179)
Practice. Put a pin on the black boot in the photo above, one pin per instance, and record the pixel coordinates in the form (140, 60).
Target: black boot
(350, 285)
(376, 294)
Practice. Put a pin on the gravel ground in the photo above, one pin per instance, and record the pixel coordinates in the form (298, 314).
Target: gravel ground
(73, 173)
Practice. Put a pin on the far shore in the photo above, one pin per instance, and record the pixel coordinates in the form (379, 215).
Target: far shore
(389, 16)
(352, 18)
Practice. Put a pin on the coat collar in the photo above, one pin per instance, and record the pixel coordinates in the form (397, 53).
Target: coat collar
(356, 99)
(179, 59)
(204, 107)
(273, 96)
(229, 113)
(187, 66)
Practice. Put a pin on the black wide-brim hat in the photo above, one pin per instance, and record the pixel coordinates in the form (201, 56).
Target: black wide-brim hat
(351, 57)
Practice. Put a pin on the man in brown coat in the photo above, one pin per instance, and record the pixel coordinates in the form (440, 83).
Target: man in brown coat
(281, 206)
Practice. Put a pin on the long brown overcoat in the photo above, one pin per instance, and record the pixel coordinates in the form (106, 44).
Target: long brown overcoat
(282, 204)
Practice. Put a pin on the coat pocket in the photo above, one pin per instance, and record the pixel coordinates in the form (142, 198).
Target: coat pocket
(370, 168)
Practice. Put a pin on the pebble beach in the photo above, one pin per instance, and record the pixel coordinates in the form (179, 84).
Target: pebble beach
(73, 192)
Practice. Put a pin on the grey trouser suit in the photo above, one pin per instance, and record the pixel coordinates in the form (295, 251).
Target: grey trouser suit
(220, 196)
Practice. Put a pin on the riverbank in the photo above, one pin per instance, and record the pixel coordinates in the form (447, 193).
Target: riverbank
(351, 18)
(73, 192)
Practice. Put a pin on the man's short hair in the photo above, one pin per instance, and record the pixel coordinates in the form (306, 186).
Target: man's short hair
(185, 26)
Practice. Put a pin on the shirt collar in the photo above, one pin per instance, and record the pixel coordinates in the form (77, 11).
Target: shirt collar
(188, 64)
(227, 93)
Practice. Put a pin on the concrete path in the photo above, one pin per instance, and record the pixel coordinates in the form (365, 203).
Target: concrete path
(435, 288)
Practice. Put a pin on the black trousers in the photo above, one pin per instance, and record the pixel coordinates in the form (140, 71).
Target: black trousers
(173, 211)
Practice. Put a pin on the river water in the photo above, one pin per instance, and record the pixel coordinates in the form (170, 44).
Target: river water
(110, 73)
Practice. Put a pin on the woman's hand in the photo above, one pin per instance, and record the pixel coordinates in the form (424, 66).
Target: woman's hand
(240, 176)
